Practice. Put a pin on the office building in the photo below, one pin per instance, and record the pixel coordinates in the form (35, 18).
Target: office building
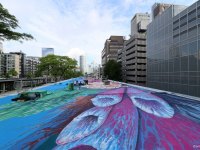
(31, 65)
(111, 47)
(133, 55)
(173, 49)
(82, 62)
(47, 51)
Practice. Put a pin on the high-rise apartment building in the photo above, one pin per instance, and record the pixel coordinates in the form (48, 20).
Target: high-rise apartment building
(82, 62)
(111, 47)
(31, 64)
(22, 62)
(2, 67)
(47, 51)
(1, 59)
(9, 62)
(173, 49)
(12, 60)
(133, 55)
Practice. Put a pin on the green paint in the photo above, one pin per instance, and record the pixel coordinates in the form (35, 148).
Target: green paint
(58, 98)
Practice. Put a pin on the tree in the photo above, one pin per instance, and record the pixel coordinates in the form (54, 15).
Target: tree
(112, 70)
(8, 23)
(59, 67)
(29, 75)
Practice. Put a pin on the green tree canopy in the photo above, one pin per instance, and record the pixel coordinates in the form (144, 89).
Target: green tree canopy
(29, 75)
(8, 23)
(11, 73)
(112, 70)
(57, 66)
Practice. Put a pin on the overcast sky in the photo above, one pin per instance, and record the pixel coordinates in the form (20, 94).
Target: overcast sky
(74, 27)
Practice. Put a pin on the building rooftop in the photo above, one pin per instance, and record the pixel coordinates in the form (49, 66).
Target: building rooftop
(98, 116)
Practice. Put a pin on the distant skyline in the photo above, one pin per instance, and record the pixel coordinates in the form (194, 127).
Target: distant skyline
(46, 51)
(74, 27)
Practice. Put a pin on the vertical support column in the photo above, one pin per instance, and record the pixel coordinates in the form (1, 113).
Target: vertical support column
(4, 87)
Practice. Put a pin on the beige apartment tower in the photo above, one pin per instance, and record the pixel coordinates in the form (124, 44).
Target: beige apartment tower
(111, 47)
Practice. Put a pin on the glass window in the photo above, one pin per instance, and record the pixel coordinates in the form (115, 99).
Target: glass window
(198, 12)
(199, 47)
(193, 48)
(192, 90)
(184, 63)
(171, 79)
(183, 35)
(193, 80)
(177, 65)
(171, 65)
(177, 79)
(184, 80)
(192, 15)
(183, 20)
(192, 32)
(192, 63)
(184, 51)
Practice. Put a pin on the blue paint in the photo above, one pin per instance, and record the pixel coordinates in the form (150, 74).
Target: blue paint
(6, 100)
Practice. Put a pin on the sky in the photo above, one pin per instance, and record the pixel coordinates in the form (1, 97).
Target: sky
(74, 27)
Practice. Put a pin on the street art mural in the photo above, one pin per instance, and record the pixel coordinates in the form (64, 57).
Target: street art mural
(123, 118)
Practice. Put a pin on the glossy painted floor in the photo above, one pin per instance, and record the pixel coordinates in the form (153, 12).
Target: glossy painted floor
(117, 118)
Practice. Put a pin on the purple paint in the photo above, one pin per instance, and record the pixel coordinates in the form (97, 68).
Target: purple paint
(83, 125)
(119, 131)
(175, 133)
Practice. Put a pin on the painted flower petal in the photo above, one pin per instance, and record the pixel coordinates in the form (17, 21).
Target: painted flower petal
(83, 125)
(118, 132)
(106, 100)
(153, 105)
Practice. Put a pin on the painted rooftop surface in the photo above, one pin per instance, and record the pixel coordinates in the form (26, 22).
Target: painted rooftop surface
(102, 117)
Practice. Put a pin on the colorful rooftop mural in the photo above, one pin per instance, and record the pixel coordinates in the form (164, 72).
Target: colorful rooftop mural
(101, 117)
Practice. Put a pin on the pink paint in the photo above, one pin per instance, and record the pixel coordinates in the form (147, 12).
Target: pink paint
(178, 132)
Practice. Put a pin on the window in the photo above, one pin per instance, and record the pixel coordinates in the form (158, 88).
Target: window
(184, 50)
(193, 48)
(183, 21)
(192, 15)
(183, 35)
(184, 63)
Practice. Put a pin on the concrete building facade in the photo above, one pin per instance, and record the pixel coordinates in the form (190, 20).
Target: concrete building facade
(2, 66)
(133, 55)
(47, 51)
(111, 47)
(31, 64)
(9, 62)
(173, 50)
(12, 60)
(22, 62)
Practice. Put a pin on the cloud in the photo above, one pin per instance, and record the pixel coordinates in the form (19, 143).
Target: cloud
(73, 27)
(75, 53)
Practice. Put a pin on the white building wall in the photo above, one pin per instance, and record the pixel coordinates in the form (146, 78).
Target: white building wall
(83, 67)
